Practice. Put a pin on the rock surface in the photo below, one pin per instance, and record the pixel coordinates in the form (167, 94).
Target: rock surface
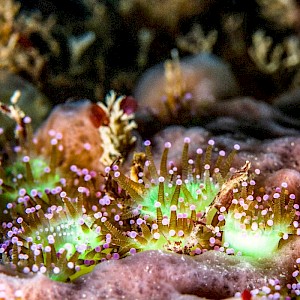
(205, 78)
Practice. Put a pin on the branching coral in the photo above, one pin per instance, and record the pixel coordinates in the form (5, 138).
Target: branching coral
(17, 52)
(195, 40)
(78, 46)
(259, 53)
(270, 60)
(117, 135)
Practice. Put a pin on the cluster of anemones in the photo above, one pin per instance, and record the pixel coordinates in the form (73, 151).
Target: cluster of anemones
(204, 206)
(63, 222)
(169, 206)
(65, 230)
(53, 224)
(51, 219)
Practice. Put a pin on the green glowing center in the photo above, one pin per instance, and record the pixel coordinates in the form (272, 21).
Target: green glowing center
(41, 180)
(191, 193)
(71, 237)
(255, 243)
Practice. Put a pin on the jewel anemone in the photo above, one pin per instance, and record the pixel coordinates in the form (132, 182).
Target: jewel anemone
(26, 177)
(168, 206)
(254, 225)
(49, 224)
(64, 242)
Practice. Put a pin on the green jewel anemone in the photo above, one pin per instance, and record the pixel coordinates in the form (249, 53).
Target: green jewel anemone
(168, 205)
(63, 243)
(255, 225)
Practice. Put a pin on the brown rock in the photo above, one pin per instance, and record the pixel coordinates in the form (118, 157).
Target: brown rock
(290, 176)
(205, 79)
(75, 126)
